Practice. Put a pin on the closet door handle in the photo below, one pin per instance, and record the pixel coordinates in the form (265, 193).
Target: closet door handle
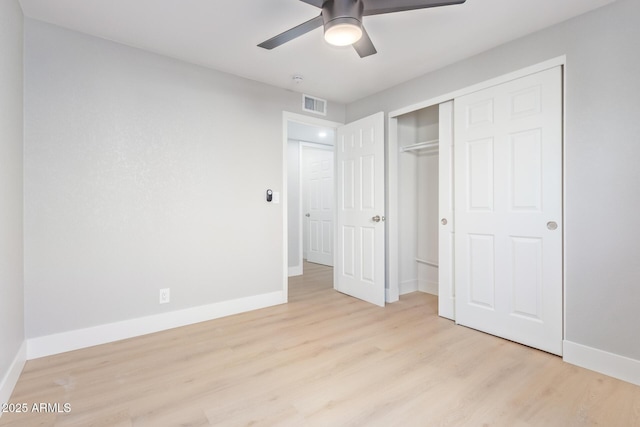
(376, 218)
(443, 221)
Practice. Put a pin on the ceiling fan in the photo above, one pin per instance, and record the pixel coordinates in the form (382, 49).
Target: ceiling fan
(342, 21)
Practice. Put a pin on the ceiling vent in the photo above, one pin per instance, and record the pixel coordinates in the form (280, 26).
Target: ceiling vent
(314, 105)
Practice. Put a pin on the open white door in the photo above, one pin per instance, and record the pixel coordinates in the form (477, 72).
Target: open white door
(318, 201)
(359, 268)
(508, 210)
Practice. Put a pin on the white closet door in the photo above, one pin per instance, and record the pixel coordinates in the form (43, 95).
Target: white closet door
(508, 199)
(360, 243)
(446, 289)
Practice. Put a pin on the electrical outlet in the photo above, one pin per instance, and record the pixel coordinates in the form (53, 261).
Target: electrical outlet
(165, 295)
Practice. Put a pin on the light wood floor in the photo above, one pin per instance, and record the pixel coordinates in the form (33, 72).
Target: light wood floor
(324, 359)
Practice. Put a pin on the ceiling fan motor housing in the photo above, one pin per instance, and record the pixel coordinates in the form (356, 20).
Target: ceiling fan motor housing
(336, 12)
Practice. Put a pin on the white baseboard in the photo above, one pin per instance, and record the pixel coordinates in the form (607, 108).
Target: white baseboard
(408, 286)
(102, 334)
(295, 271)
(10, 379)
(428, 287)
(414, 285)
(613, 365)
(391, 295)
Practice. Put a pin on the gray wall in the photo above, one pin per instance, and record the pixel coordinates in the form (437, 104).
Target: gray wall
(143, 172)
(11, 123)
(602, 151)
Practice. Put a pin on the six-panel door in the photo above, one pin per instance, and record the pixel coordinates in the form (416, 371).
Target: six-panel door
(360, 264)
(508, 199)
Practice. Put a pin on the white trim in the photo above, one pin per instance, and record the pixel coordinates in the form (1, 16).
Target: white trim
(417, 285)
(613, 365)
(551, 63)
(409, 286)
(284, 198)
(102, 334)
(295, 271)
(564, 204)
(10, 379)
(307, 120)
(317, 145)
(428, 287)
(391, 295)
(392, 229)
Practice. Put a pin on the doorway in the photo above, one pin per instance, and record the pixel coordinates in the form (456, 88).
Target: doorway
(358, 231)
(307, 141)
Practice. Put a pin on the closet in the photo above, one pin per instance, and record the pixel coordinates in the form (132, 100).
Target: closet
(506, 164)
(420, 180)
(418, 142)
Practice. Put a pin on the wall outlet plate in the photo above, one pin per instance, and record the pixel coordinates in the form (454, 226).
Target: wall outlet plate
(165, 295)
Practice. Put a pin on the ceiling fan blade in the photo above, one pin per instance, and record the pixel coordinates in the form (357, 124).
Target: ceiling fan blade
(316, 3)
(364, 46)
(378, 7)
(291, 34)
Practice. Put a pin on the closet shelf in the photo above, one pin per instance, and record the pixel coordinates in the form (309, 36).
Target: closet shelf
(426, 145)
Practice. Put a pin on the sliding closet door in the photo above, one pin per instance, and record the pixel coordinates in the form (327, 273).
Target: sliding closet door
(508, 199)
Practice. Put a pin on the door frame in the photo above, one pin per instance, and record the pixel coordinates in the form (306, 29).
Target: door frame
(393, 261)
(306, 120)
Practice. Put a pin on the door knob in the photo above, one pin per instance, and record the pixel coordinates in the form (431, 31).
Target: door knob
(552, 225)
(376, 218)
(307, 215)
(443, 221)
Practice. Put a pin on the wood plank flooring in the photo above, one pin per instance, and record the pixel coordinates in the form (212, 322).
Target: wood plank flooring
(324, 359)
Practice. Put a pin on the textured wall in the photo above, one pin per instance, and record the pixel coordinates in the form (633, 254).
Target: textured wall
(143, 172)
(11, 123)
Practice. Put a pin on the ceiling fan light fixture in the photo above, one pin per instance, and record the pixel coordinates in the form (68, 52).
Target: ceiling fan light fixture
(342, 20)
(343, 31)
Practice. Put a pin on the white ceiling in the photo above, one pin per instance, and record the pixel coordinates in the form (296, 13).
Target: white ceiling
(223, 34)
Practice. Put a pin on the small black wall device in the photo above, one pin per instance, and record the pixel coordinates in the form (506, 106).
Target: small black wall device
(269, 195)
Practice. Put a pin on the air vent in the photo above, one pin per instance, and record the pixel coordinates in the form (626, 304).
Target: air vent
(314, 105)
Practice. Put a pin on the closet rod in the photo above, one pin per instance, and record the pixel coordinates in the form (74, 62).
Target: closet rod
(422, 261)
(420, 145)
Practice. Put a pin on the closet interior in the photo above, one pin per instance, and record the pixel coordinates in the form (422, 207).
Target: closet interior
(418, 142)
